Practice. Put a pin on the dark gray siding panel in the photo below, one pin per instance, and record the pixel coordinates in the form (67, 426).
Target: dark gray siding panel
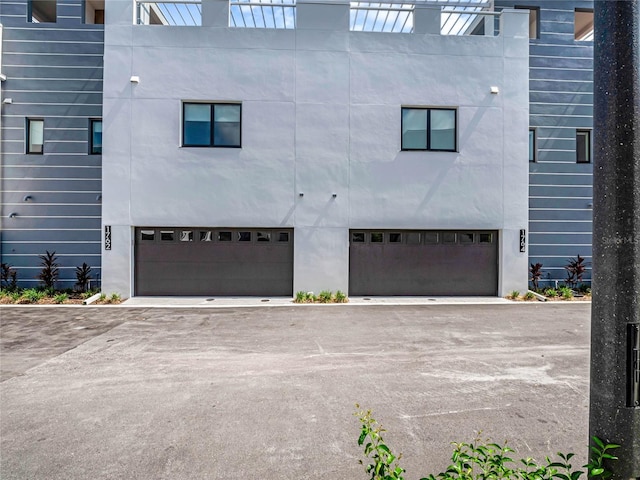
(561, 101)
(54, 72)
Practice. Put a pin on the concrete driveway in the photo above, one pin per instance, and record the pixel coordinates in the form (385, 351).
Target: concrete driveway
(268, 393)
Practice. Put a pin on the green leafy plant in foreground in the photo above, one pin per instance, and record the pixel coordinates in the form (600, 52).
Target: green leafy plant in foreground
(384, 464)
(477, 461)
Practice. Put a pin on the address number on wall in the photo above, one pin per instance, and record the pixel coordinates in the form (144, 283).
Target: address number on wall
(523, 240)
(107, 237)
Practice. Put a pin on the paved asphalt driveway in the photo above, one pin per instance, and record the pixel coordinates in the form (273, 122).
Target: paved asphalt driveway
(268, 393)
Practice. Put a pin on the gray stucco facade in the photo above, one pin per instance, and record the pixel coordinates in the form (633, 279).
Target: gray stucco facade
(561, 102)
(53, 201)
(50, 201)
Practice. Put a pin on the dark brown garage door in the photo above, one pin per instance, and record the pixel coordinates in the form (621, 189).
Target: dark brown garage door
(213, 261)
(397, 262)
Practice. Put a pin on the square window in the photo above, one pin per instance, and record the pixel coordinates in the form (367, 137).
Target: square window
(96, 137)
(583, 146)
(186, 236)
(35, 136)
(225, 236)
(429, 129)
(147, 235)
(534, 21)
(211, 125)
(43, 11)
(583, 25)
(205, 236)
(377, 237)
(431, 238)
(283, 237)
(263, 236)
(532, 145)
(395, 238)
(357, 237)
(166, 235)
(244, 236)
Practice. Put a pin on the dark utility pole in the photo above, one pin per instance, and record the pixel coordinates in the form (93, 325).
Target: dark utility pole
(615, 329)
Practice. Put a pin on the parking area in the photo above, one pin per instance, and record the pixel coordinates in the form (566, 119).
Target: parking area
(269, 393)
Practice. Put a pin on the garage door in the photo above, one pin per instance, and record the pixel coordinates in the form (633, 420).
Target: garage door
(213, 261)
(386, 262)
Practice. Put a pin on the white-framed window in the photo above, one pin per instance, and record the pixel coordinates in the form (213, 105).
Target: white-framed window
(583, 146)
(35, 135)
(211, 124)
(429, 128)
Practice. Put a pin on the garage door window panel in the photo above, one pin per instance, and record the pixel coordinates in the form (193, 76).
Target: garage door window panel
(449, 238)
(377, 237)
(225, 236)
(414, 238)
(206, 236)
(431, 238)
(358, 237)
(263, 236)
(244, 236)
(486, 238)
(147, 235)
(395, 238)
(466, 238)
(167, 235)
(283, 237)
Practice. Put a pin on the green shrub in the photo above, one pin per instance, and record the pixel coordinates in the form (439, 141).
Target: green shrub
(325, 296)
(60, 298)
(305, 297)
(115, 298)
(513, 295)
(480, 460)
(341, 297)
(550, 292)
(565, 292)
(529, 296)
(32, 295)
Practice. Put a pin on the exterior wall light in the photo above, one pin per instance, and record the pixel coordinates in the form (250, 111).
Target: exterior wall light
(13, 215)
(7, 100)
(301, 194)
(134, 79)
(27, 198)
(495, 90)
